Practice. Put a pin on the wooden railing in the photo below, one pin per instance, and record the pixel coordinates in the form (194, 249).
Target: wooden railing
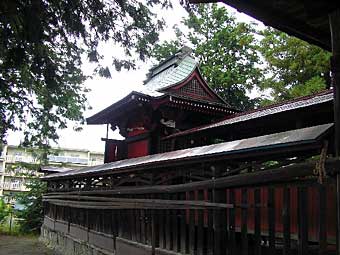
(283, 210)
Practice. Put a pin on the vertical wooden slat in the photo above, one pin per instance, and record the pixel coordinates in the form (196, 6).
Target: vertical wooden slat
(138, 225)
(88, 224)
(132, 219)
(244, 221)
(142, 227)
(183, 228)
(210, 237)
(69, 218)
(271, 220)
(102, 215)
(219, 217)
(216, 226)
(120, 227)
(123, 223)
(257, 221)
(286, 220)
(161, 216)
(200, 226)
(128, 224)
(303, 221)
(113, 227)
(322, 219)
(154, 234)
(149, 226)
(224, 223)
(54, 216)
(175, 235)
(168, 228)
(192, 248)
(232, 239)
(219, 223)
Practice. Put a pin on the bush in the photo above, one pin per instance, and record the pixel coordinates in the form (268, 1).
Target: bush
(5, 210)
(32, 213)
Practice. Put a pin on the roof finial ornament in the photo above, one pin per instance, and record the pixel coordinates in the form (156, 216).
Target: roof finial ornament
(183, 52)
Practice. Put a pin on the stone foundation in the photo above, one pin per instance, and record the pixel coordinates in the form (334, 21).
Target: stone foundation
(68, 245)
(71, 239)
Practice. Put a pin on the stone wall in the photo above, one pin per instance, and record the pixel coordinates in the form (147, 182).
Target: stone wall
(68, 245)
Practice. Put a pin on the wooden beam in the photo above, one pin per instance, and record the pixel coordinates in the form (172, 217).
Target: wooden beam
(286, 22)
(135, 202)
(277, 175)
(334, 21)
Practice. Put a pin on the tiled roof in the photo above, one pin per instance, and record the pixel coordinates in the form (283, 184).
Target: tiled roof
(261, 143)
(173, 74)
(297, 103)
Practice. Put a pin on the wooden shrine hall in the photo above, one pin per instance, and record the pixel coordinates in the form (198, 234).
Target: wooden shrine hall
(196, 176)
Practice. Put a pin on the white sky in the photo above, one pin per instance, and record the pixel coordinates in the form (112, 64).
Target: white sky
(105, 92)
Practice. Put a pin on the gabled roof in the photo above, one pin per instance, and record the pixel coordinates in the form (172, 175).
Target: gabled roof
(301, 102)
(261, 144)
(179, 68)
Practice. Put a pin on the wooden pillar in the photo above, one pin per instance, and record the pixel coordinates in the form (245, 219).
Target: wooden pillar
(334, 21)
(154, 223)
(154, 233)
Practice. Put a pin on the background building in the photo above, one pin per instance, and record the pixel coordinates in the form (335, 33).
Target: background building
(16, 165)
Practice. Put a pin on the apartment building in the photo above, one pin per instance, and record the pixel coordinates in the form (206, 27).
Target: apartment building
(15, 161)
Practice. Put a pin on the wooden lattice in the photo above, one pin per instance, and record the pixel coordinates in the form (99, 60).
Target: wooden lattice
(194, 88)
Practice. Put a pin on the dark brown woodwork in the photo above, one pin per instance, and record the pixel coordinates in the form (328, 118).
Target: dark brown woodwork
(183, 228)
(334, 22)
(322, 219)
(302, 221)
(244, 224)
(257, 222)
(286, 221)
(192, 232)
(275, 175)
(200, 225)
(232, 237)
(181, 218)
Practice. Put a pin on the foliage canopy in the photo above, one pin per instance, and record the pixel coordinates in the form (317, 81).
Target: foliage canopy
(294, 67)
(226, 48)
(41, 48)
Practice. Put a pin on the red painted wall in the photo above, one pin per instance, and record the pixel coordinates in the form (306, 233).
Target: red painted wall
(138, 149)
(313, 211)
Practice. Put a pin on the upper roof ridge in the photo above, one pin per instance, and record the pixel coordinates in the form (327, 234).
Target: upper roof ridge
(173, 60)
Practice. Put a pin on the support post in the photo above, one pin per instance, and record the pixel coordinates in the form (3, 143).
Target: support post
(219, 216)
(334, 21)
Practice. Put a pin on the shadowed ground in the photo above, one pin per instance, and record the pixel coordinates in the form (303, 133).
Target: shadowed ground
(14, 245)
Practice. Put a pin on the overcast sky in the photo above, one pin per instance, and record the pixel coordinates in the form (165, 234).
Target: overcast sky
(105, 92)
